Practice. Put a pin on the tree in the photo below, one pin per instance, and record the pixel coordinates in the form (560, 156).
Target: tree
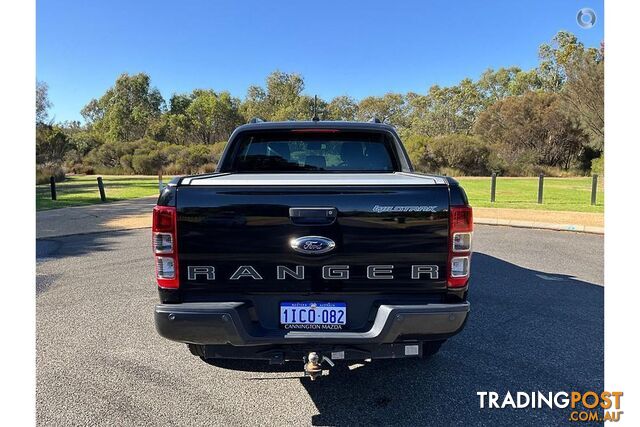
(342, 108)
(125, 111)
(282, 99)
(555, 57)
(255, 104)
(445, 110)
(212, 116)
(495, 85)
(80, 141)
(51, 144)
(390, 108)
(93, 113)
(583, 93)
(179, 103)
(533, 126)
(174, 126)
(42, 102)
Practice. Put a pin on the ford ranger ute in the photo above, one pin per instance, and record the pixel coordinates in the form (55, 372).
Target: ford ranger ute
(313, 242)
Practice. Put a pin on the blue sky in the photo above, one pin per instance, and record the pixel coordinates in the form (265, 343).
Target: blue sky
(357, 48)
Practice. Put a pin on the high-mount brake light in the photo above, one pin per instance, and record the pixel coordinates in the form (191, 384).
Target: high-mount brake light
(315, 130)
(165, 246)
(460, 236)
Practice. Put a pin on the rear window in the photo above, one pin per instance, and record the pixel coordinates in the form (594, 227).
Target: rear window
(308, 151)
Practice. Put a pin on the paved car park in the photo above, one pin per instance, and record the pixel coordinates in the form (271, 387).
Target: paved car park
(536, 324)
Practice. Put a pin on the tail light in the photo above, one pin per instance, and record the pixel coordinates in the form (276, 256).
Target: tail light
(165, 246)
(460, 235)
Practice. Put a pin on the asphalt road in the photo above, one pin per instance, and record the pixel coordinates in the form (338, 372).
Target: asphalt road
(536, 324)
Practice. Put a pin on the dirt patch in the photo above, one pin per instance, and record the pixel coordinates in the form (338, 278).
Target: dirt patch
(557, 217)
(130, 221)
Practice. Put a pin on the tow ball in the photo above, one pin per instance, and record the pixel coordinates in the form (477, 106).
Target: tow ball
(312, 367)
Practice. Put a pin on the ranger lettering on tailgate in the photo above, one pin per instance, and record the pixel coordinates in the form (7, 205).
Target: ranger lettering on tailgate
(329, 272)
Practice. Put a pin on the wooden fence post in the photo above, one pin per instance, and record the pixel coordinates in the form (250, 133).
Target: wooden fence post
(540, 187)
(54, 195)
(103, 197)
(594, 189)
(493, 187)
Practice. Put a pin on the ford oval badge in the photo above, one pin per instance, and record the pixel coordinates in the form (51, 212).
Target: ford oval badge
(312, 244)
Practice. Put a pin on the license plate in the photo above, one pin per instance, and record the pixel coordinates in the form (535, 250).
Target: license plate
(313, 313)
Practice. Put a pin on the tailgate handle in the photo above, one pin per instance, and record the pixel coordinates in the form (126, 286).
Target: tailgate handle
(313, 216)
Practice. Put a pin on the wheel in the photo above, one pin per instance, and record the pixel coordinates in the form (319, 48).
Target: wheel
(196, 350)
(429, 348)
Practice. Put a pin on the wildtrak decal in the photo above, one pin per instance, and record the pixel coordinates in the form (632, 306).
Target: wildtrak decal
(381, 209)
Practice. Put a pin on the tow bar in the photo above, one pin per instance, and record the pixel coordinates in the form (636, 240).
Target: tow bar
(312, 367)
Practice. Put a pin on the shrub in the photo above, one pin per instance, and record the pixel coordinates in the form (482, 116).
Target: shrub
(148, 163)
(194, 157)
(216, 151)
(45, 172)
(103, 170)
(146, 156)
(87, 170)
(417, 147)
(597, 165)
(463, 153)
(79, 168)
(109, 154)
(52, 144)
(449, 154)
(586, 156)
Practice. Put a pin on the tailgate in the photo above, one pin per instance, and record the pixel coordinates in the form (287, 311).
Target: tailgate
(239, 239)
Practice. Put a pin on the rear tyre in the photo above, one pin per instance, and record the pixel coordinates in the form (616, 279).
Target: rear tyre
(196, 350)
(429, 348)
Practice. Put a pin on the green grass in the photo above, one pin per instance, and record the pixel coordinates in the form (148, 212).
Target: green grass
(81, 190)
(560, 194)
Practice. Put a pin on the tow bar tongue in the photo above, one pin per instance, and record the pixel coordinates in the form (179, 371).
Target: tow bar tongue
(312, 367)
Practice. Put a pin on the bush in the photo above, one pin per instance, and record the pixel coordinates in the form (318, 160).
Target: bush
(449, 154)
(148, 157)
(52, 144)
(109, 154)
(103, 170)
(597, 166)
(216, 151)
(148, 163)
(417, 147)
(585, 159)
(79, 168)
(44, 173)
(462, 153)
(193, 158)
(525, 165)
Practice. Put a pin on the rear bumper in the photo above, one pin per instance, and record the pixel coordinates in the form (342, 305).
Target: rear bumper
(222, 323)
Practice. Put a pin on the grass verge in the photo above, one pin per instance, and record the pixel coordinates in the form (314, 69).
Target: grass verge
(78, 190)
(560, 194)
